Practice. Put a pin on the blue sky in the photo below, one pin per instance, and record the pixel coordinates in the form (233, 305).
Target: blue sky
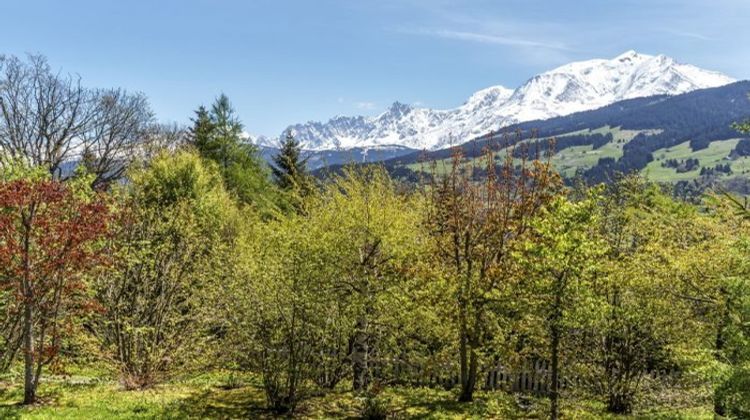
(283, 62)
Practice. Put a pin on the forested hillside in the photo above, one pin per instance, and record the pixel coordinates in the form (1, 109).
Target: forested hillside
(150, 271)
(647, 125)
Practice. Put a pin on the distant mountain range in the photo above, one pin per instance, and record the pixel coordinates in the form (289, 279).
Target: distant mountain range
(685, 140)
(572, 88)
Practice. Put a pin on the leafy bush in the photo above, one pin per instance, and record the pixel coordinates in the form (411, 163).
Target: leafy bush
(734, 394)
(375, 406)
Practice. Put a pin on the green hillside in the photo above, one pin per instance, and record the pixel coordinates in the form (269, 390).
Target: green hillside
(568, 160)
(571, 159)
(715, 154)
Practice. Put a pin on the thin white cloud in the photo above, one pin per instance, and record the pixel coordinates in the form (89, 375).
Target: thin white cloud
(488, 38)
(365, 105)
(691, 35)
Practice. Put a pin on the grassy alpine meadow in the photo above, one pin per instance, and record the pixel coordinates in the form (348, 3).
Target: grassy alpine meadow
(568, 160)
(226, 395)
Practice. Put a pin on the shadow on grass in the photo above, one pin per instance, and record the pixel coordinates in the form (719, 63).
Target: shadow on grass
(428, 404)
(11, 406)
(219, 403)
(422, 403)
(249, 403)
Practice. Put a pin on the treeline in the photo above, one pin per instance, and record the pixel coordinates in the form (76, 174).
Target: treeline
(200, 257)
(532, 148)
(681, 165)
(742, 148)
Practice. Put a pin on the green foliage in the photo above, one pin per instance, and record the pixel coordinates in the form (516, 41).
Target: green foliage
(289, 170)
(204, 397)
(371, 232)
(171, 239)
(734, 392)
(562, 243)
(632, 328)
(15, 169)
(217, 135)
(742, 127)
(201, 133)
(170, 180)
(476, 229)
(371, 283)
(721, 289)
(313, 282)
(562, 254)
(375, 406)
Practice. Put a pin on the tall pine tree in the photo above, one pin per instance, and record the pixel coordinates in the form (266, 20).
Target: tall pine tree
(289, 169)
(201, 132)
(217, 135)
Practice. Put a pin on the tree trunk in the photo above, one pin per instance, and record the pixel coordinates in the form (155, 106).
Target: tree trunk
(720, 410)
(463, 354)
(360, 355)
(29, 382)
(467, 386)
(618, 403)
(29, 385)
(472, 339)
(612, 346)
(555, 354)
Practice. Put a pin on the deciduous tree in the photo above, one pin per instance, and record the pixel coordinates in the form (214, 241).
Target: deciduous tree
(477, 227)
(562, 253)
(168, 247)
(50, 234)
(51, 120)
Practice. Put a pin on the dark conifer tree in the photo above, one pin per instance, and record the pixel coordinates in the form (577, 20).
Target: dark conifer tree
(217, 135)
(201, 132)
(289, 169)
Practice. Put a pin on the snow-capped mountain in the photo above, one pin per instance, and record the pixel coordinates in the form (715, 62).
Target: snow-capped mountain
(574, 87)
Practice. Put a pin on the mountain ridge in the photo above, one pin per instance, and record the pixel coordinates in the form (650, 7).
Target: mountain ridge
(573, 87)
(698, 118)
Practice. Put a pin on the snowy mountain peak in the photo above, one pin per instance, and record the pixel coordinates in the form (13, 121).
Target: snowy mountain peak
(488, 96)
(573, 87)
(396, 110)
(400, 106)
(627, 55)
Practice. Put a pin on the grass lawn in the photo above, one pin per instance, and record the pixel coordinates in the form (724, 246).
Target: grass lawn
(205, 396)
(716, 153)
(567, 161)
